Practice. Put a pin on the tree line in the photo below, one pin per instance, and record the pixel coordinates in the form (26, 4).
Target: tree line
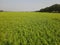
(1, 11)
(53, 8)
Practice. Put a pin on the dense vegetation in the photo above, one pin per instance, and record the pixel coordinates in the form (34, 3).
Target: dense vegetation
(29, 28)
(53, 8)
(1, 10)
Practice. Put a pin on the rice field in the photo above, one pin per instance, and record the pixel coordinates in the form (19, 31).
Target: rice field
(29, 28)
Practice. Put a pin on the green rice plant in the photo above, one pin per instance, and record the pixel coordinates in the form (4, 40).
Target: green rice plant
(29, 28)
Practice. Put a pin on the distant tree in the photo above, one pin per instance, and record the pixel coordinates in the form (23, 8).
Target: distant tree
(1, 10)
(53, 8)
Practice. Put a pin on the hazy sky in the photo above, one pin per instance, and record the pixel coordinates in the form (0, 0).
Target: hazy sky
(25, 5)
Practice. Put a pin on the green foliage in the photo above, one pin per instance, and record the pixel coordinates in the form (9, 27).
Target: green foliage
(29, 28)
(53, 8)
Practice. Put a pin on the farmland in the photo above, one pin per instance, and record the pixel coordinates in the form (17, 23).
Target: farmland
(29, 28)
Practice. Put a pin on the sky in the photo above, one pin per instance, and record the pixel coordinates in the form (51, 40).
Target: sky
(26, 5)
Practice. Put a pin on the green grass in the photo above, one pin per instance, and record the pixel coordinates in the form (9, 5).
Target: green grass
(29, 28)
